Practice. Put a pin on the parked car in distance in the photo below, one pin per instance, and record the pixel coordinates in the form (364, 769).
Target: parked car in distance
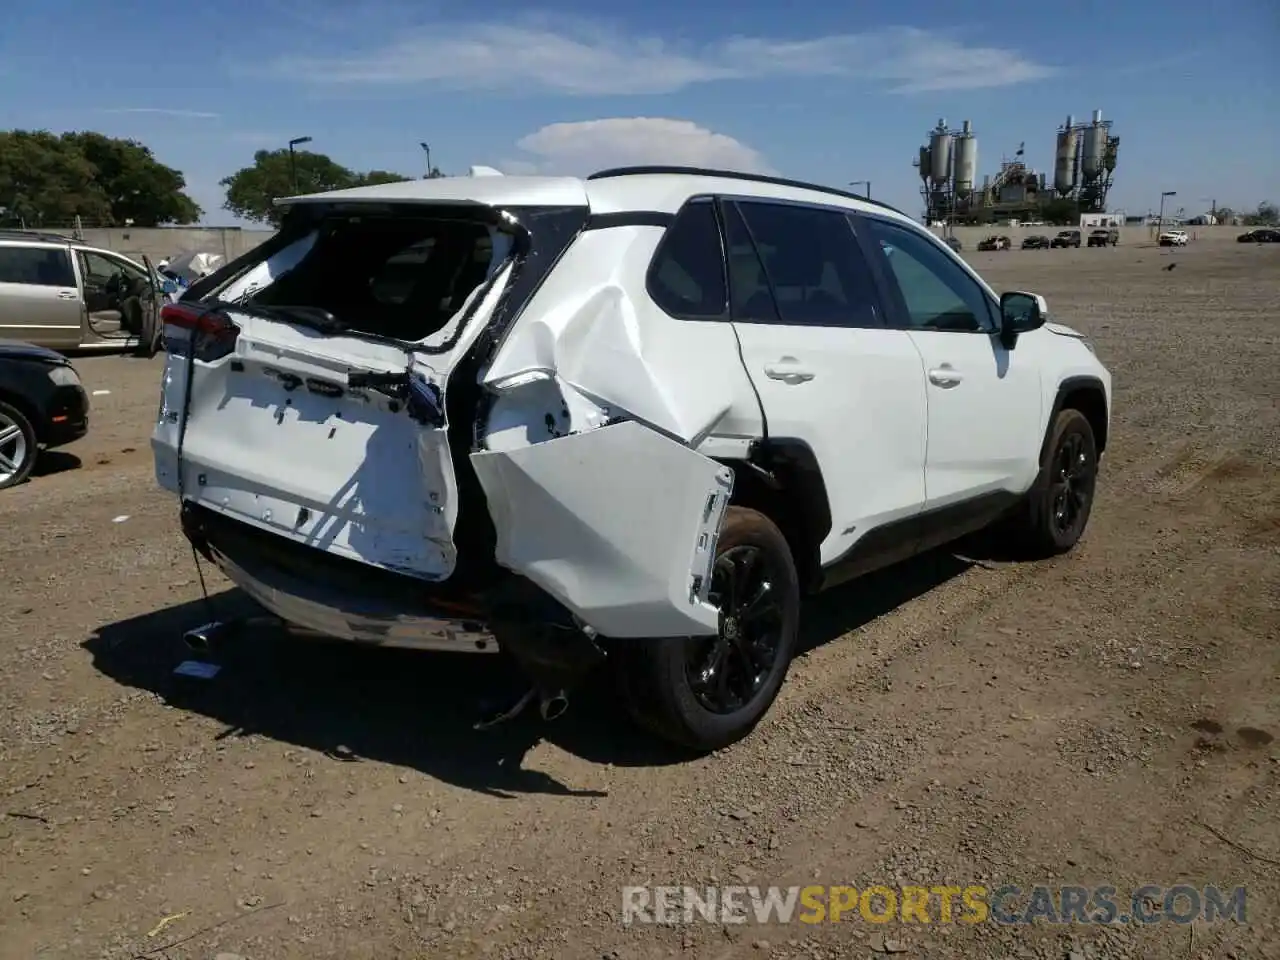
(1261, 235)
(60, 293)
(953, 242)
(994, 243)
(1036, 242)
(1104, 238)
(1066, 238)
(1173, 238)
(42, 404)
(829, 422)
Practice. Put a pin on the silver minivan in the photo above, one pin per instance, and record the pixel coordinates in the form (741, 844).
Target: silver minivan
(60, 293)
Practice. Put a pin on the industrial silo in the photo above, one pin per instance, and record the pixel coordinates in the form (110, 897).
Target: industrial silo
(924, 164)
(966, 161)
(940, 154)
(1064, 159)
(1095, 148)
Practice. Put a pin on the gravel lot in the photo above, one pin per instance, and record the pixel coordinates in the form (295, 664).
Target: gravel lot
(1104, 718)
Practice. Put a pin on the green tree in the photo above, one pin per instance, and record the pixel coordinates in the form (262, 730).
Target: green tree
(44, 180)
(379, 176)
(138, 187)
(47, 179)
(252, 190)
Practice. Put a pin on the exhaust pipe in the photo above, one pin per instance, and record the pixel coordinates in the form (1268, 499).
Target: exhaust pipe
(200, 639)
(553, 705)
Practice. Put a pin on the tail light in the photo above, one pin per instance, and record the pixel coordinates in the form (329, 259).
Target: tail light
(212, 332)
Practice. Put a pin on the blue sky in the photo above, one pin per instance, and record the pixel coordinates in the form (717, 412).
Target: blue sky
(830, 92)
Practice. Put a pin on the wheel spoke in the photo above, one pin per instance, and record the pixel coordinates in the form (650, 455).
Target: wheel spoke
(6, 465)
(1072, 485)
(728, 592)
(9, 433)
(760, 605)
(723, 694)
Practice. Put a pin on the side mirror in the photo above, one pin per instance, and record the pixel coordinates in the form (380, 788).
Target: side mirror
(1020, 313)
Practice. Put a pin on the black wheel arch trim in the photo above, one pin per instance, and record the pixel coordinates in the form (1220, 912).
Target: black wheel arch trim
(784, 472)
(1073, 387)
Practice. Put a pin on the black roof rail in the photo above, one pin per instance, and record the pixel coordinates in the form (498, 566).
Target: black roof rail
(734, 175)
(42, 235)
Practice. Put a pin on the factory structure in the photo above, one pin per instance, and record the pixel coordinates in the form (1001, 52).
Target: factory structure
(1083, 165)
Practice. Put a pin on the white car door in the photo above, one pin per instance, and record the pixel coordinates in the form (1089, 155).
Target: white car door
(984, 401)
(827, 370)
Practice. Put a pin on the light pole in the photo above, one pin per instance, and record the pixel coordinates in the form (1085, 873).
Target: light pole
(858, 183)
(293, 163)
(1167, 193)
(426, 148)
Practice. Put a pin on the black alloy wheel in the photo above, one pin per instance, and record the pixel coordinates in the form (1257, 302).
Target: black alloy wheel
(728, 671)
(1075, 474)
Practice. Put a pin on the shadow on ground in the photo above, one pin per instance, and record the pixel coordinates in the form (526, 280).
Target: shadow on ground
(52, 462)
(418, 709)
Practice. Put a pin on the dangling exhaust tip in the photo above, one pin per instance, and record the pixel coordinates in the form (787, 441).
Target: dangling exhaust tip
(200, 640)
(553, 706)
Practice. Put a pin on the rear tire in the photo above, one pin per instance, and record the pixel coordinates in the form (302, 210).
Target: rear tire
(705, 693)
(1057, 508)
(18, 447)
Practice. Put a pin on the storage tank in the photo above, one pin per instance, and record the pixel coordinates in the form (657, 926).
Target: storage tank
(924, 163)
(940, 153)
(1064, 159)
(966, 161)
(1095, 148)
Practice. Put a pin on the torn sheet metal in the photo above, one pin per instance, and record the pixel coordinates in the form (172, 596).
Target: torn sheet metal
(619, 524)
(623, 353)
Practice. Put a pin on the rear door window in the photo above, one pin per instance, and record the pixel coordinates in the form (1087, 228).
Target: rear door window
(809, 262)
(36, 266)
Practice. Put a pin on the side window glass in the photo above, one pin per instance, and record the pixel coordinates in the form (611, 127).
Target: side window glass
(686, 278)
(813, 265)
(97, 268)
(36, 266)
(937, 293)
(750, 298)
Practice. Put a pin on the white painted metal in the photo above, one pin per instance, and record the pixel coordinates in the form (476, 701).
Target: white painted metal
(865, 392)
(618, 523)
(594, 454)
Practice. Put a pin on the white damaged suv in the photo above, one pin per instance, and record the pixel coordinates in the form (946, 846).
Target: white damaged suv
(634, 417)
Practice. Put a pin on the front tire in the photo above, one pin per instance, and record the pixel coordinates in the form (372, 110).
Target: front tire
(1058, 505)
(705, 693)
(18, 448)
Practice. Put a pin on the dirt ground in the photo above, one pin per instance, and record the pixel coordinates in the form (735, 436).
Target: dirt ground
(1106, 718)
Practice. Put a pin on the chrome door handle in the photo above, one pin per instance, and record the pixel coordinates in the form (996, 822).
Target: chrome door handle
(787, 370)
(945, 376)
(67, 295)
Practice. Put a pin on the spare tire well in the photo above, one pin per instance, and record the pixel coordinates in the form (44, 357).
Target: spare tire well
(782, 480)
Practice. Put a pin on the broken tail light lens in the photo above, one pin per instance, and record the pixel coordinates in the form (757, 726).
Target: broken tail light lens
(212, 332)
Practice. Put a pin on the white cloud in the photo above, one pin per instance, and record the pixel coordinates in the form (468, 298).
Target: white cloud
(167, 112)
(584, 147)
(591, 60)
